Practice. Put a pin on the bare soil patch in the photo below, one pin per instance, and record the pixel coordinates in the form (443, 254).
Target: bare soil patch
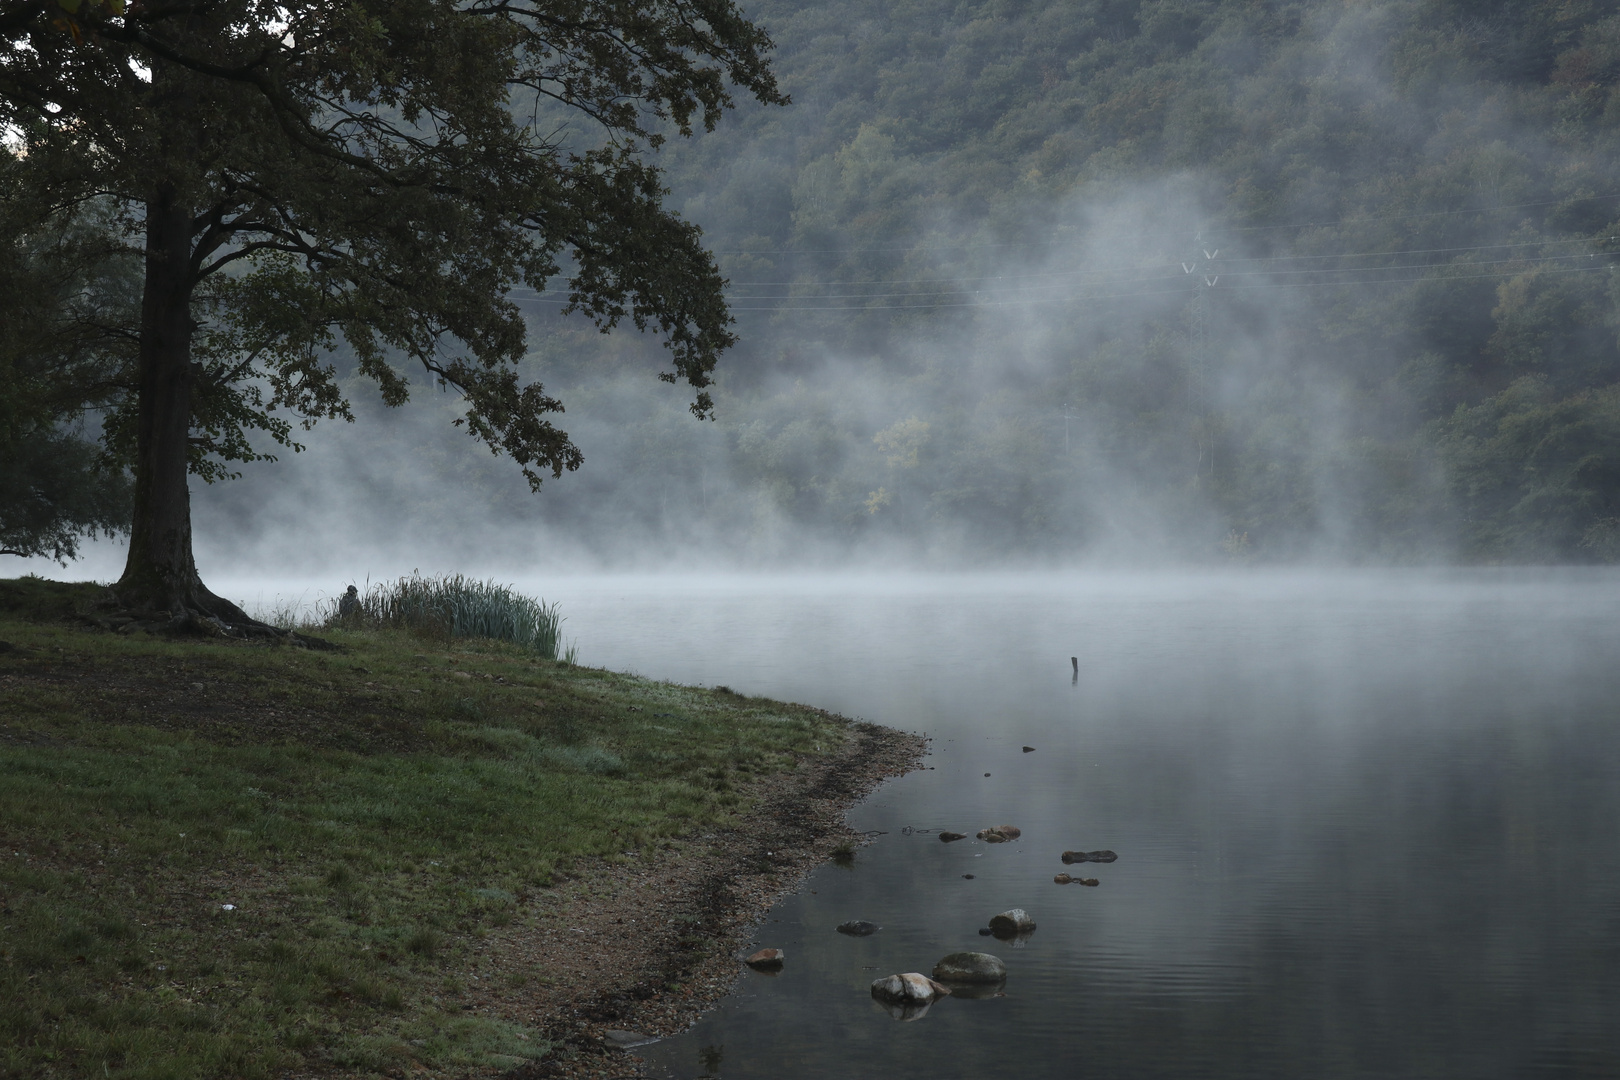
(648, 946)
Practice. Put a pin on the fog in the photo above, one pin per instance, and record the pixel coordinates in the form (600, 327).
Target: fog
(1060, 287)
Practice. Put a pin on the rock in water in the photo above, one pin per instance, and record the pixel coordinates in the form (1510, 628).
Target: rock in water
(1086, 880)
(949, 836)
(1063, 879)
(1011, 922)
(912, 988)
(1000, 834)
(767, 960)
(858, 928)
(970, 967)
(1029, 749)
(1089, 856)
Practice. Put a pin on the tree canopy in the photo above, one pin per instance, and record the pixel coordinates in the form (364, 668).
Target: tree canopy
(70, 298)
(380, 172)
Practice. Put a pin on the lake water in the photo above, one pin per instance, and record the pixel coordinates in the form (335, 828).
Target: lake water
(1368, 823)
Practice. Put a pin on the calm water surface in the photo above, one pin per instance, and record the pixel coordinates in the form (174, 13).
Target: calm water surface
(1368, 824)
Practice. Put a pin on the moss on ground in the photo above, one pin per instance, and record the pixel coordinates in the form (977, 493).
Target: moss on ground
(222, 858)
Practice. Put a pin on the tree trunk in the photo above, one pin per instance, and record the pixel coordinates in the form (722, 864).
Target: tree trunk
(161, 574)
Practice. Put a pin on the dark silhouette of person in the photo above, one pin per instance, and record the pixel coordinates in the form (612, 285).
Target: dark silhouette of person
(349, 603)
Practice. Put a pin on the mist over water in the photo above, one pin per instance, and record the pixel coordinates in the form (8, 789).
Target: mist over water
(1367, 822)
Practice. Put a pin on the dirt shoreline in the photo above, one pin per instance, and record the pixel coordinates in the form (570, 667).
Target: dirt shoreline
(648, 945)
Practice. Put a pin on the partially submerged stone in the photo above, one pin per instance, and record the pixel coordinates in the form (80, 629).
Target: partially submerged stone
(766, 960)
(858, 928)
(970, 967)
(1063, 879)
(1000, 834)
(1011, 922)
(911, 988)
(948, 836)
(1089, 856)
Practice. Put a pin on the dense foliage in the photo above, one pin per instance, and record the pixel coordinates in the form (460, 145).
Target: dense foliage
(67, 295)
(978, 220)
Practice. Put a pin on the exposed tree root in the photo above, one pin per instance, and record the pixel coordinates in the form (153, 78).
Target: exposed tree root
(201, 614)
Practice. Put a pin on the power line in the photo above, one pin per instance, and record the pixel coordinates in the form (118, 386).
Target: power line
(1234, 276)
(1172, 277)
(1099, 296)
(1170, 267)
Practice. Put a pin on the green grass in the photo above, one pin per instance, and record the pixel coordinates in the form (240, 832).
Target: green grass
(454, 606)
(370, 815)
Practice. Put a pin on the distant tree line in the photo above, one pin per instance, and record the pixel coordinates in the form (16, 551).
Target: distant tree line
(976, 219)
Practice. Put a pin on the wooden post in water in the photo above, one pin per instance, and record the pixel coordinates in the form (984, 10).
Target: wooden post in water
(1075, 660)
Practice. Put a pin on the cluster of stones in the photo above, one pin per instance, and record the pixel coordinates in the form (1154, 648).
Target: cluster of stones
(964, 974)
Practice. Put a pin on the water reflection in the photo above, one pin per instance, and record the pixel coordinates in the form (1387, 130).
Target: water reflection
(1365, 825)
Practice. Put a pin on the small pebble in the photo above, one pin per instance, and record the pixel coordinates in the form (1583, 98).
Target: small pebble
(1029, 749)
(968, 876)
(987, 774)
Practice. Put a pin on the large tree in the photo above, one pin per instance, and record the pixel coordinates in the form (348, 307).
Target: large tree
(384, 171)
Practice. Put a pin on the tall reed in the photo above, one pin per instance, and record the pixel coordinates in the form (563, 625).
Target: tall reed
(456, 606)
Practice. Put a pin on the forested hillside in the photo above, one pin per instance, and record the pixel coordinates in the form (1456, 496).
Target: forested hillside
(1136, 278)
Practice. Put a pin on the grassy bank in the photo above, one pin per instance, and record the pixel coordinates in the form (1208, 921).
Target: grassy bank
(229, 859)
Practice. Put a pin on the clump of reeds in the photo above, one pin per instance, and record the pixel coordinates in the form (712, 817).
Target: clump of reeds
(454, 606)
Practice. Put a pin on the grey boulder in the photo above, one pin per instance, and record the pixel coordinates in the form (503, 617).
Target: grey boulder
(970, 967)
